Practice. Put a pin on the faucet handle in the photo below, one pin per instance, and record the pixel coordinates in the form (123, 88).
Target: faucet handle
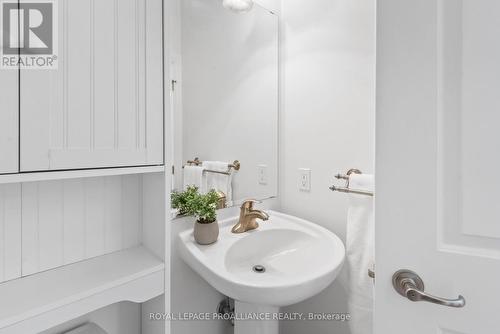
(248, 204)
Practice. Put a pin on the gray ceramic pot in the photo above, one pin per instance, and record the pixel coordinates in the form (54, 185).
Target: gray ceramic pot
(206, 234)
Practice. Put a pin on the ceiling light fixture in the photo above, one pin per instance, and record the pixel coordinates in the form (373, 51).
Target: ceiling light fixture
(238, 6)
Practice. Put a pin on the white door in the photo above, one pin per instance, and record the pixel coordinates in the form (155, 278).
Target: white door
(103, 106)
(438, 163)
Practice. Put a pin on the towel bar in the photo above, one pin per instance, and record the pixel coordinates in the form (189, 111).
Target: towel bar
(346, 188)
(352, 191)
(236, 165)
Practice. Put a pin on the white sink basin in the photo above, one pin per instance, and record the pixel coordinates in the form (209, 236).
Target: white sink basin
(300, 260)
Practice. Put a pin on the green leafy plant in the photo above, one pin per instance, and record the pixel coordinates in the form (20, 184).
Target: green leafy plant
(180, 200)
(202, 206)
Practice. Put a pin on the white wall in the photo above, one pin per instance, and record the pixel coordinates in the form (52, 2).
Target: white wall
(327, 121)
(272, 5)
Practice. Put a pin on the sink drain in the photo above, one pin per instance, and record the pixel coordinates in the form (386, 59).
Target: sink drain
(259, 269)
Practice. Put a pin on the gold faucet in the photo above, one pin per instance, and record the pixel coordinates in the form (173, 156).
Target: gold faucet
(248, 217)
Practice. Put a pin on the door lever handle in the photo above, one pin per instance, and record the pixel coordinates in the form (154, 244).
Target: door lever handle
(409, 285)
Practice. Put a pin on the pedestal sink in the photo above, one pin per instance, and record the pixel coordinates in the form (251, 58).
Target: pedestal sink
(285, 261)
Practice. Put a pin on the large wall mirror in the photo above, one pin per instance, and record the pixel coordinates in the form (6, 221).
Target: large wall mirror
(226, 101)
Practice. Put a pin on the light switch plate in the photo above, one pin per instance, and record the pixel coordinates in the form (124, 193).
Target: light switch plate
(304, 179)
(262, 174)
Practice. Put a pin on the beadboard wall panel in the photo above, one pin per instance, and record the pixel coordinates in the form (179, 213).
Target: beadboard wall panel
(72, 220)
(103, 105)
(9, 121)
(10, 232)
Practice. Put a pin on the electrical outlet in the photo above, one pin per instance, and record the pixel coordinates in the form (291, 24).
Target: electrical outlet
(304, 179)
(262, 174)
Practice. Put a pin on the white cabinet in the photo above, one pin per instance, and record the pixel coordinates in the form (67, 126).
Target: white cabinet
(103, 106)
(9, 111)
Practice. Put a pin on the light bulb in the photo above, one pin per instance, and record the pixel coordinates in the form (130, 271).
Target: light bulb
(239, 6)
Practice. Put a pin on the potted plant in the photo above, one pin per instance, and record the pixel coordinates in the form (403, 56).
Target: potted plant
(203, 207)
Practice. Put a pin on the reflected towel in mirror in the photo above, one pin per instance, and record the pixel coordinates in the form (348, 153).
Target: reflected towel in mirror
(194, 176)
(219, 182)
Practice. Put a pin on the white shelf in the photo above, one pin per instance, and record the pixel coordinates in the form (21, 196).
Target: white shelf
(41, 301)
(80, 173)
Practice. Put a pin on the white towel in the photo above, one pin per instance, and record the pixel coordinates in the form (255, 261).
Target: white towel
(360, 255)
(194, 176)
(219, 182)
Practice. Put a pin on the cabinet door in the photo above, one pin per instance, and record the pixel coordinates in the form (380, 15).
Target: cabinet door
(103, 105)
(9, 126)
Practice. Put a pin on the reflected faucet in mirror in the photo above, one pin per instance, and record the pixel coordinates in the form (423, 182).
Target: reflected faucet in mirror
(248, 217)
(222, 200)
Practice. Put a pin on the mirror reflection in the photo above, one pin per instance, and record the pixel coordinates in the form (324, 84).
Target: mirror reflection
(226, 102)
